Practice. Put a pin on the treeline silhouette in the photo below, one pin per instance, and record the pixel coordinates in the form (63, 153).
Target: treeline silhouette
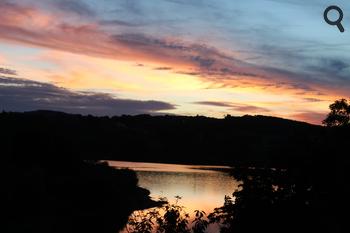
(233, 140)
(54, 182)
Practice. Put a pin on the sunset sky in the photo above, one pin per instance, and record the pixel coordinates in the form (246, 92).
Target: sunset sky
(186, 57)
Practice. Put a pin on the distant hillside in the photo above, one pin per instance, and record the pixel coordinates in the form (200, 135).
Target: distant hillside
(233, 140)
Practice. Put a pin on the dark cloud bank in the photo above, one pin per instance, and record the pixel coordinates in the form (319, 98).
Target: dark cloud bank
(7, 71)
(25, 95)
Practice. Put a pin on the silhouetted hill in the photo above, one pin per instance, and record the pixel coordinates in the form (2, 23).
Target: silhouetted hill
(181, 139)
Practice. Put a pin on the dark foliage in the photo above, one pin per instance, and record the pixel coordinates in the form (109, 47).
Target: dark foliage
(92, 198)
(274, 200)
(339, 115)
(170, 218)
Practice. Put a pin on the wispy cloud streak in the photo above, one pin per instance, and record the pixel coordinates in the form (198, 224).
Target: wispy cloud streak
(244, 108)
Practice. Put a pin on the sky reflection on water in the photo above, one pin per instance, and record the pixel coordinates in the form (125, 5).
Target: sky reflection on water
(199, 187)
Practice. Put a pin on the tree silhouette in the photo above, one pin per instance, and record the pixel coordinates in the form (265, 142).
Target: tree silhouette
(169, 218)
(271, 200)
(339, 115)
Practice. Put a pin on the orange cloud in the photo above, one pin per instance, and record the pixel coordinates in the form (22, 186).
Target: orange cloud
(3, 60)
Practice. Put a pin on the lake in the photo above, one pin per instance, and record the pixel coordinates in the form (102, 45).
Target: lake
(201, 187)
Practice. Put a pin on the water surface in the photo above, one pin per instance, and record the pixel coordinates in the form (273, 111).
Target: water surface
(201, 187)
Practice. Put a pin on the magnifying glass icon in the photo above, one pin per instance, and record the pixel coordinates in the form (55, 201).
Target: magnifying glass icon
(336, 22)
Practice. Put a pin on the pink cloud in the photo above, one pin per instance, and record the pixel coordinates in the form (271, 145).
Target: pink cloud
(243, 108)
(310, 117)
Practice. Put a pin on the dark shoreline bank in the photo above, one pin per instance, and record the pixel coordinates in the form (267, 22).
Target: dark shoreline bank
(84, 197)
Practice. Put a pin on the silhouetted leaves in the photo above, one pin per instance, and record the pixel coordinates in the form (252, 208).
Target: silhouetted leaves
(273, 200)
(199, 223)
(339, 115)
(170, 218)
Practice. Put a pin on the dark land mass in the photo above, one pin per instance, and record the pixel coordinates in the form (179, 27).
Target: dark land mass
(174, 139)
(54, 182)
(70, 198)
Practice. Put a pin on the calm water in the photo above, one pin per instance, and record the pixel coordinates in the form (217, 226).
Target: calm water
(201, 187)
